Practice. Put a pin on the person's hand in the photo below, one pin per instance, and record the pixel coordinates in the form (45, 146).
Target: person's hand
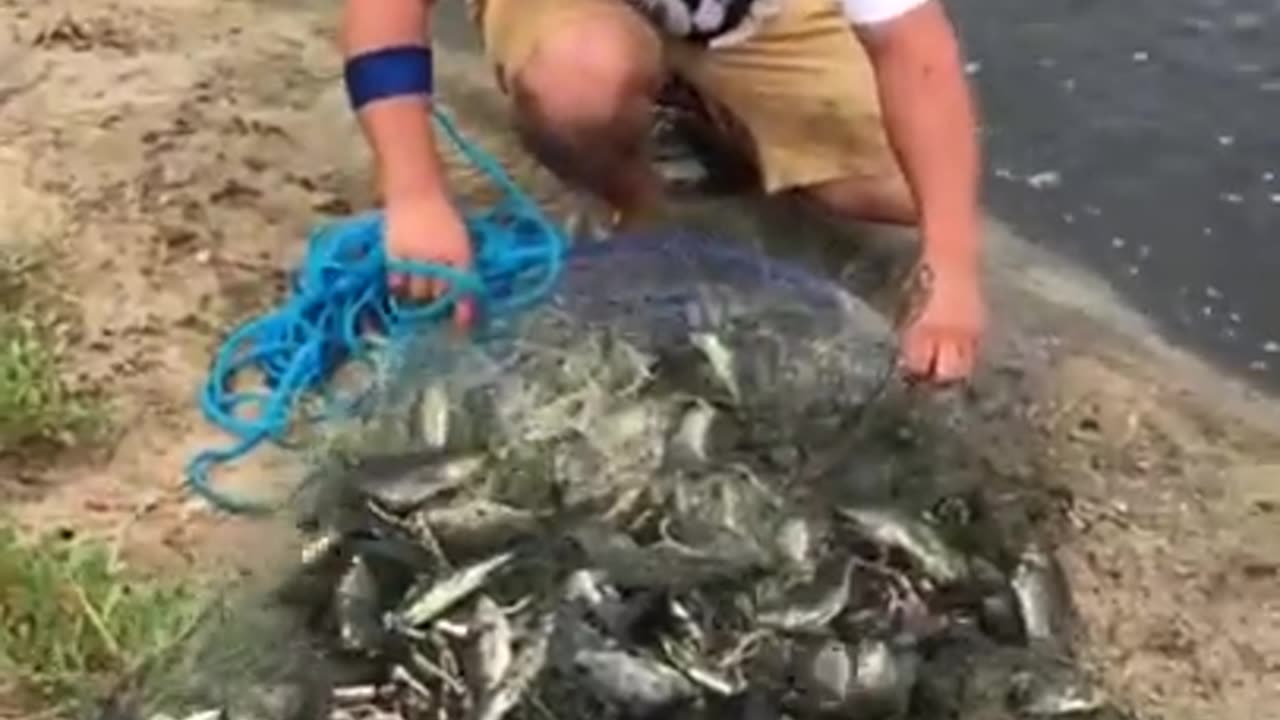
(942, 327)
(427, 229)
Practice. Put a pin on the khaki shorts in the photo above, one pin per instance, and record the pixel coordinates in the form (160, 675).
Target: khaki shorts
(801, 88)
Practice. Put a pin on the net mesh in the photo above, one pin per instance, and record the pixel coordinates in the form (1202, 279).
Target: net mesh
(646, 340)
(606, 508)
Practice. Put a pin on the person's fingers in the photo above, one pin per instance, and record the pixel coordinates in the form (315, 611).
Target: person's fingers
(951, 362)
(464, 314)
(918, 354)
(397, 282)
(420, 287)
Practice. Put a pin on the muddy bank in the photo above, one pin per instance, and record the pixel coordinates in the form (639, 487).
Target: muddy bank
(177, 152)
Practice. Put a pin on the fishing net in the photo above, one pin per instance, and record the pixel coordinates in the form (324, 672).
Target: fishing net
(641, 334)
(624, 504)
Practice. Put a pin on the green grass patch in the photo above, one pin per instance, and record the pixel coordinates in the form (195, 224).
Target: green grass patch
(37, 405)
(74, 622)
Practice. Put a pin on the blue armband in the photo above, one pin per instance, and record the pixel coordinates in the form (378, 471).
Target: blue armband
(389, 72)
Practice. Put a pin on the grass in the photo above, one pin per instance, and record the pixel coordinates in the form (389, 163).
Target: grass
(74, 622)
(37, 405)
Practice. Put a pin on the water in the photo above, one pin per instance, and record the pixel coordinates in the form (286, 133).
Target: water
(1143, 138)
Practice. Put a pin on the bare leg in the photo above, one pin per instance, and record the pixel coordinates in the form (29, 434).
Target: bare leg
(584, 103)
(880, 199)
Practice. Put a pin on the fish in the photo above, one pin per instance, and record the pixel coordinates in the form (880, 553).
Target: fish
(666, 564)
(825, 675)
(318, 552)
(639, 685)
(813, 605)
(433, 416)
(720, 360)
(753, 703)
(917, 539)
(684, 660)
(629, 423)
(526, 665)
(404, 482)
(873, 677)
(587, 591)
(357, 608)
(575, 632)
(1059, 690)
(355, 694)
(794, 544)
(690, 442)
(402, 676)
(491, 653)
(216, 714)
(999, 617)
(479, 525)
(1039, 585)
(426, 603)
(683, 621)
(884, 675)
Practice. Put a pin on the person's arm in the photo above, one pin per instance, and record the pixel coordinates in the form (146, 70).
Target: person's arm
(398, 129)
(930, 119)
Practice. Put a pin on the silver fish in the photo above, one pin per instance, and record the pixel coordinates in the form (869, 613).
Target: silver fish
(720, 359)
(794, 544)
(573, 633)
(998, 616)
(357, 608)
(689, 443)
(491, 654)
(686, 626)
(218, 714)
(813, 605)
(885, 674)
(403, 483)
(354, 694)
(915, 538)
(433, 416)
(479, 525)
(698, 672)
(402, 676)
(638, 684)
(427, 603)
(526, 665)
(1058, 692)
(322, 549)
(825, 675)
(587, 591)
(1044, 600)
(675, 567)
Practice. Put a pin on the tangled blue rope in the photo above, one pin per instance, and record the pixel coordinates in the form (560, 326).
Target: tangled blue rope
(341, 292)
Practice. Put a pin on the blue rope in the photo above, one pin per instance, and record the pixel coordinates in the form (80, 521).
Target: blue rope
(341, 291)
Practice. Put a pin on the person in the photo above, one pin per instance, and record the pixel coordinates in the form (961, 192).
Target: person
(861, 105)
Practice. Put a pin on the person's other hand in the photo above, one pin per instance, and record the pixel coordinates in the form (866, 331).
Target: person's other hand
(428, 230)
(944, 321)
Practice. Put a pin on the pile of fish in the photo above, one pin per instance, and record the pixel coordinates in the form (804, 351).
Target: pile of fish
(477, 609)
(604, 527)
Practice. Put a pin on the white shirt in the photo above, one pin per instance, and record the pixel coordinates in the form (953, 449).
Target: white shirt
(724, 22)
(869, 12)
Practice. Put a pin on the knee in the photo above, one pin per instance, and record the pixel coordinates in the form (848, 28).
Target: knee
(588, 72)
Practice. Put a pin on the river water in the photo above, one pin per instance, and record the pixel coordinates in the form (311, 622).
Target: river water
(1143, 139)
